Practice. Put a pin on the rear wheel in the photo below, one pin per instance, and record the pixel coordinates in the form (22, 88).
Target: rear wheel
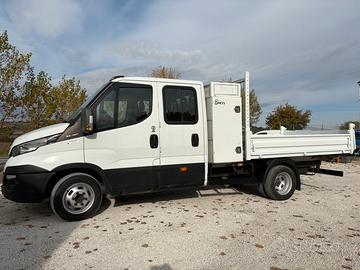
(76, 196)
(280, 183)
(261, 190)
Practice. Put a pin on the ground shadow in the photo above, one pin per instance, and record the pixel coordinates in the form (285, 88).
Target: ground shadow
(156, 197)
(30, 233)
(173, 195)
(164, 266)
(250, 189)
(34, 233)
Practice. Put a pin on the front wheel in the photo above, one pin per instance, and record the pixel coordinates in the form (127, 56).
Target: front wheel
(76, 196)
(280, 183)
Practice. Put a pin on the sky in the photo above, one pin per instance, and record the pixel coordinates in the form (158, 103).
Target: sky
(304, 52)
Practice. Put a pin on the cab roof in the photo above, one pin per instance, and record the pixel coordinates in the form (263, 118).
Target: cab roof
(152, 79)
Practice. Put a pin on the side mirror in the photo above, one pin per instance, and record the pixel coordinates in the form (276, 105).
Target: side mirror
(88, 126)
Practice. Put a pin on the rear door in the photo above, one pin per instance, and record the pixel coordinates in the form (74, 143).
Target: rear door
(125, 141)
(182, 146)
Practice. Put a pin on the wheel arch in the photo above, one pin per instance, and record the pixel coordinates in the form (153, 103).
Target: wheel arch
(87, 168)
(266, 165)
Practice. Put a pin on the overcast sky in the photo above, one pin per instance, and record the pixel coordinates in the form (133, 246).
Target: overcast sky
(303, 52)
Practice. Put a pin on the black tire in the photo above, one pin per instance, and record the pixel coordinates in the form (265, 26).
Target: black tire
(76, 196)
(261, 190)
(280, 183)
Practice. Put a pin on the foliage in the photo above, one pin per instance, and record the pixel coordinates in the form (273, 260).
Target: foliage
(44, 104)
(288, 116)
(28, 97)
(255, 108)
(165, 72)
(36, 99)
(67, 96)
(13, 66)
(345, 125)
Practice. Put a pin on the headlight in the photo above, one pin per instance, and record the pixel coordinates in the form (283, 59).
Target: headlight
(33, 145)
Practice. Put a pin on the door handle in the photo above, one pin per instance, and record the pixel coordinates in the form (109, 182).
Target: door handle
(195, 140)
(154, 141)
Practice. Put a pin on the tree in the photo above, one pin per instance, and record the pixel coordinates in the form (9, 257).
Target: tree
(165, 72)
(13, 66)
(45, 104)
(36, 100)
(32, 96)
(288, 116)
(255, 108)
(67, 96)
(345, 125)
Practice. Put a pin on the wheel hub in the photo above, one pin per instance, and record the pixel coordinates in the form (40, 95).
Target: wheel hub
(283, 183)
(78, 198)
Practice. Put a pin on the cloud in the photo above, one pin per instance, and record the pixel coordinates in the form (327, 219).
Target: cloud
(48, 19)
(303, 52)
(154, 51)
(92, 80)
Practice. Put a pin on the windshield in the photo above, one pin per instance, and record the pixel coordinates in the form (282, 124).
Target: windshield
(75, 114)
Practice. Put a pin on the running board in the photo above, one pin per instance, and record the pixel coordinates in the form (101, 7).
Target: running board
(328, 172)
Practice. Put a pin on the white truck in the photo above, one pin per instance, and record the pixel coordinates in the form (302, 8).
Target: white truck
(137, 135)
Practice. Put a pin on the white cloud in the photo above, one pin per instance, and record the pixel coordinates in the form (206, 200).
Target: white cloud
(92, 80)
(154, 51)
(47, 19)
(303, 52)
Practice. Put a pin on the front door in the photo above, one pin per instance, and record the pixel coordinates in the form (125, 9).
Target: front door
(182, 145)
(125, 139)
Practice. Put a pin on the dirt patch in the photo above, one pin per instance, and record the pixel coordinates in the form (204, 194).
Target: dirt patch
(318, 228)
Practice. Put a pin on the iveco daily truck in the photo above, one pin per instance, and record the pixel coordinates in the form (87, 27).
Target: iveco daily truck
(137, 135)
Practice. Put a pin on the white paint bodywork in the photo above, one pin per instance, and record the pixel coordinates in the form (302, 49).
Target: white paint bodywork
(51, 156)
(225, 131)
(128, 146)
(224, 123)
(40, 133)
(294, 145)
(175, 140)
(246, 109)
(220, 131)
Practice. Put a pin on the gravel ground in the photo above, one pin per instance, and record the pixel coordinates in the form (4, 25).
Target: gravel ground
(318, 228)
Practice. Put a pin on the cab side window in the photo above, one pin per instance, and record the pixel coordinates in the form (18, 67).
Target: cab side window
(123, 105)
(134, 105)
(105, 112)
(180, 105)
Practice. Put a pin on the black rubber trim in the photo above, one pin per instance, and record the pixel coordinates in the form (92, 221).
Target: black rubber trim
(155, 178)
(26, 187)
(86, 166)
(31, 181)
(24, 169)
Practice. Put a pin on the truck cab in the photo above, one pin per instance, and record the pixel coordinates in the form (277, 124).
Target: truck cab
(138, 135)
(146, 135)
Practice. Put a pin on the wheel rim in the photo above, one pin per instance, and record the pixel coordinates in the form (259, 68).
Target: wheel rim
(78, 198)
(283, 183)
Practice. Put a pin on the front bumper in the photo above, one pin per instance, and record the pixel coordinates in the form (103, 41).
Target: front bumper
(25, 183)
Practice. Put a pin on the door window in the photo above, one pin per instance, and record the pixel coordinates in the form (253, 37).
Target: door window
(123, 105)
(135, 104)
(105, 112)
(180, 105)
